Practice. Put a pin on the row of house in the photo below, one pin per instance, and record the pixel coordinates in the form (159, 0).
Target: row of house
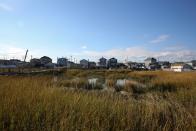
(149, 64)
(13, 63)
(103, 63)
(9, 63)
(42, 62)
(153, 64)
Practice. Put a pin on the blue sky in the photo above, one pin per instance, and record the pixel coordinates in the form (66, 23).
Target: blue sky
(132, 29)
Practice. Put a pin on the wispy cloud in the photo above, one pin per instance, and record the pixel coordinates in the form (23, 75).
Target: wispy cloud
(5, 7)
(160, 39)
(9, 50)
(139, 54)
(132, 51)
(84, 47)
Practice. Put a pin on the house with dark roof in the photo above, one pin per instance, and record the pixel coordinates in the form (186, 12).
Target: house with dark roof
(164, 64)
(102, 63)
(62, 62)
(150, 63)
(112, 63)
(45, 60)
(92, 65)
(84, 63)
(122, 66)
(35, 62)
(192, 63)
(136, 65)
(12, 63)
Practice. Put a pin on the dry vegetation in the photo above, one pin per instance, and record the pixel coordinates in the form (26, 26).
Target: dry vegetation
(155, 101)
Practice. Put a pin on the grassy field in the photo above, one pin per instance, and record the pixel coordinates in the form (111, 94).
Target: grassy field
(148, 101)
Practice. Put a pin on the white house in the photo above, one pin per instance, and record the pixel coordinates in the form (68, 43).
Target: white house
(150, 62)
(180, 67)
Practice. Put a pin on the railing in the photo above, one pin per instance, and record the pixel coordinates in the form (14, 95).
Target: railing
(18, 71)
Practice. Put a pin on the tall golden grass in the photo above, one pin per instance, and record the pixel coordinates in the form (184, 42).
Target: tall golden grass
(38, 103)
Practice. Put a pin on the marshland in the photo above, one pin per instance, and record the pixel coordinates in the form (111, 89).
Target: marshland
(99, 100)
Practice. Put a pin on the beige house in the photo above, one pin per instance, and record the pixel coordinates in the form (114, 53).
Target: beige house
(180, 67)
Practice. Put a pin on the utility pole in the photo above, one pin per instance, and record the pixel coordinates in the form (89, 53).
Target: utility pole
(26, 55)
(71, 58)
(88, 64)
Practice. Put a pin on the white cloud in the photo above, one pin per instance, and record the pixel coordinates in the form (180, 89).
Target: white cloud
(140, 53)
(5, 7)
(132, 51)
(10, 50)
(160, 39)
(84, 47)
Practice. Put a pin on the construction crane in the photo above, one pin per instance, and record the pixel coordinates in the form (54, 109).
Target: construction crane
(26, 56)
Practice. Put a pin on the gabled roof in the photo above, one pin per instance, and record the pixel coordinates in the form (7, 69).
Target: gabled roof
(92, 62)
(84, 60)
(62, 58)
(149, 59)
(178, 64)
(102, 58)
(45, 57)
(193, 61)
(112, 58)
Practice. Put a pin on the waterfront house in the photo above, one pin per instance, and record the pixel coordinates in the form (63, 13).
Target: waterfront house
(150, 62)
(84, 63)
(180, 67)
(112, 63)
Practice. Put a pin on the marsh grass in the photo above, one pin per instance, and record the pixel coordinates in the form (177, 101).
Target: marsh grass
(110, 83)
(36, 103)
(173, 82)
(134, 87)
